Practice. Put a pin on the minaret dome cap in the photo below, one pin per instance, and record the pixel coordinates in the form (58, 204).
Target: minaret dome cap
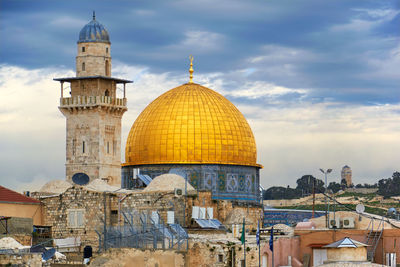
(94, 32)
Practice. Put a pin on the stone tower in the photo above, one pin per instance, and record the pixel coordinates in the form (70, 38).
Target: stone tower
(93, 110)
(346, 175)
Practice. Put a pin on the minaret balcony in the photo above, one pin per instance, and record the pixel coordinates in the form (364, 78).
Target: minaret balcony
(92, 101)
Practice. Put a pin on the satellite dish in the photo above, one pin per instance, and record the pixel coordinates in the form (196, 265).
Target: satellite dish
(80, 178)
(360, 208)
(48, 254)
(392, 211)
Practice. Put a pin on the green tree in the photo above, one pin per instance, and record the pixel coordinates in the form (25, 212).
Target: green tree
(335, 187)
(280, 192)
(306, 183)
(390, 187)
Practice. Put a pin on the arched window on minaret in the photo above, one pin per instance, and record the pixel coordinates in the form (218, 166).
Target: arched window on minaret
(107, 68)
(107, 93)
(83, 66)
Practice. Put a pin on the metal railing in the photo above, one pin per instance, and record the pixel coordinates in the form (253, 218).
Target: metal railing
(143, 231)
(92, 101)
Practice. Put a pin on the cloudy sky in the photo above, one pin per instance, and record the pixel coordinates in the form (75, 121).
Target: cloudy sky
(317, 80)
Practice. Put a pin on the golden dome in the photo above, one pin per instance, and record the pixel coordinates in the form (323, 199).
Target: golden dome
(191, 124)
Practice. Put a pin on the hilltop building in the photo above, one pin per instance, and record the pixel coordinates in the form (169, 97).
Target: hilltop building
(346, 175)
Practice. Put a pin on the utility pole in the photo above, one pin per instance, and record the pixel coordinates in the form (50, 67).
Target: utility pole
(326, 199)
(313, 199)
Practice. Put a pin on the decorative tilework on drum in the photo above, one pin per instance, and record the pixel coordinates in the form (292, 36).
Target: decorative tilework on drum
(194, 179)
(221, 181)
(224, 181)
(242, 185)
(232, 184)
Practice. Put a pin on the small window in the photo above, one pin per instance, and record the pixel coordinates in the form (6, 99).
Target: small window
(73, 146)
(107, 70)
(114, 217)
(108, 147)
(76, 218)
(220, 258)
(107, 93)
(83, 147)
(114, 147)
(83, 66)
(83, 49)
(107, 50)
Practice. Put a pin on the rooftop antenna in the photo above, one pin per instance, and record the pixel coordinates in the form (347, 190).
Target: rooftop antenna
(94, 15)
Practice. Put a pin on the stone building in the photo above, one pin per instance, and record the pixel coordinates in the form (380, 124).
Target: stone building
(198, 134)
(93, 110)
(346, 175)
(80, 211)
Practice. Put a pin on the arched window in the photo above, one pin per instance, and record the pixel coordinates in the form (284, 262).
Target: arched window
(83, 66)
(107, 93)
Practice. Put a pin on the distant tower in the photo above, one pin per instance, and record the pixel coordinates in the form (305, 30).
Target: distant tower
(346, 175)
(92, 109)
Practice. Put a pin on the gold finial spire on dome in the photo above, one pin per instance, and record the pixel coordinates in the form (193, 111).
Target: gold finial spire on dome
(191, 69)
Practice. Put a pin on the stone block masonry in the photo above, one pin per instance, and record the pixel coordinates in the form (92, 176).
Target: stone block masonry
(79, 212)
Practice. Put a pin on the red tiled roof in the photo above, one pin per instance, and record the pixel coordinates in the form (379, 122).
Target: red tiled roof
(7, 195)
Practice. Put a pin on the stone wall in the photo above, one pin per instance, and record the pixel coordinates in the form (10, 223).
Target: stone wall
(16, 225)
(205, 254)
(57, 210)
(200, 254)
(93, 87)
(361, 190)
(95, 57)
(21, 260)
(136, 257)
(94, 144)
(227, 212)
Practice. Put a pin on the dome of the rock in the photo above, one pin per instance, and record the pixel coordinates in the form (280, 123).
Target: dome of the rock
(194, 132)
(191, 124)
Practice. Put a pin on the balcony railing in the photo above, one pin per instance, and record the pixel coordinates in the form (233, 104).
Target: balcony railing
(92, 101)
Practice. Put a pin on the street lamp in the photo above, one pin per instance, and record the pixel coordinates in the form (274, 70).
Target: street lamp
(326, 192)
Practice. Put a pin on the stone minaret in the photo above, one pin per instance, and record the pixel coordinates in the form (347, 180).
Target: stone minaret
(346, 175)
(93, 110)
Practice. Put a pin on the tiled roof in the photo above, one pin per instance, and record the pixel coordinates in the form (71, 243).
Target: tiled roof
(7, 195)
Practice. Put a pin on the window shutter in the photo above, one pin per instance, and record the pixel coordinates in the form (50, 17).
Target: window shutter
(71, 219)
(79, 218)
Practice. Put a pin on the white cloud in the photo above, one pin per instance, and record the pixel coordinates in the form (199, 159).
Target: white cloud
(292, 139)
(366, 19)
(257, 89)
(279, 54)
(197, 42)
(203, 40)
(386, 66)
(68, 22)
(299, 139)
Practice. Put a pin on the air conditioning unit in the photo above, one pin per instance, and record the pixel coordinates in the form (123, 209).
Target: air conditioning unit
(178, 192)
(348, 222)
(334, 223)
